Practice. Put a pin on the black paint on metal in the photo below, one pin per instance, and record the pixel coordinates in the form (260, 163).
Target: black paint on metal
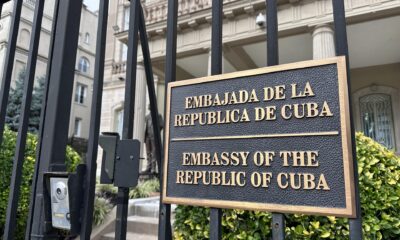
(23, 124)
(272, 33)
(278, 226)
(216, 38)
(151, 89)
(41, 125)
(13, 198)
(122, 213)
(55, 130)
(9, 64)
(216, 68)
(278, 220)
(127, 163)
(339, 16)
(91, 156)
(129, 113)
(164, 221)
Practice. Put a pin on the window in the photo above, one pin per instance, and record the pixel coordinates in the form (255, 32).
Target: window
(118, 122)
(87, 38)
(77, 127)
(377, 118)
(124, 53)
(126, 19)
(24, 38)
(83, 65)
(80, 93)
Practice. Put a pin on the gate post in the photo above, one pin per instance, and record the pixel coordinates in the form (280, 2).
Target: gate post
(55, 131)
(91, 165)
(278, 219)
(339, 16)
(216, 68)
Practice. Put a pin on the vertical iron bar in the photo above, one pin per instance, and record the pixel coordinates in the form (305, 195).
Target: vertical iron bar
(216, 68)
(164, 220)
(216, 38)
(91, 165)
(55, 131)
(129, 113)
(272, 33)
(151, 89)
(9, 64)
(19, 155)
(278, 219)
(167, 234)
(339, 16)
(42, 118)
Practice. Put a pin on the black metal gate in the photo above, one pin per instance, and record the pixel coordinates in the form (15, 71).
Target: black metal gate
(57, 103)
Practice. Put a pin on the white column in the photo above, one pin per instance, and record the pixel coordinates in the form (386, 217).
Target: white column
(323, 42)
(140, 105)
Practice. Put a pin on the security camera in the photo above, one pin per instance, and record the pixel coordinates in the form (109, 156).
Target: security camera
(260, 20)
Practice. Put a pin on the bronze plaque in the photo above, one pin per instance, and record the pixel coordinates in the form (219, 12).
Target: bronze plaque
(275, 139)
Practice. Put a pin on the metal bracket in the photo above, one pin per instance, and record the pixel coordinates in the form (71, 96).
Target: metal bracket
(120, 164)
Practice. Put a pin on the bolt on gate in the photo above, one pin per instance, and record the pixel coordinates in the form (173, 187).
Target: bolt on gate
(50, 170)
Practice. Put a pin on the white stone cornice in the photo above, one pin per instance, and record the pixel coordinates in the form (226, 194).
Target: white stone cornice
(293, 18)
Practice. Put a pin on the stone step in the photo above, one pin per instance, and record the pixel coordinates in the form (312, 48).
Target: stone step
(143, 225)
(130, 236)
(138, 228)
(145, 209)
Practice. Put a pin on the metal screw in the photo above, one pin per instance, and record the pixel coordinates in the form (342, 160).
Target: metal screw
(131, 157)
(118, 158)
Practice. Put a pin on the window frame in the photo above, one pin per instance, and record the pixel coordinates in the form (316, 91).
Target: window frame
(80, 97)
(78, 127)
(395, 102)
(83, 65)
(87, 38)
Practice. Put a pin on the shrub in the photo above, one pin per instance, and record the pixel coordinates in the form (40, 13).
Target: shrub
(102, 208)
(106, 196)
(107, 191)
(379, 171)
(6, 163)
(144, 189)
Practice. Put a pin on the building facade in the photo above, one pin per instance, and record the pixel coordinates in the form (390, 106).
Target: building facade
(305, 33)
(84, 73)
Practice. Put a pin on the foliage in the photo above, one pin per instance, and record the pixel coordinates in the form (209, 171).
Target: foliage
(102, 208)
(108, 193)
(6, 163)
(15, 101)
(379, 171)
(145, 188)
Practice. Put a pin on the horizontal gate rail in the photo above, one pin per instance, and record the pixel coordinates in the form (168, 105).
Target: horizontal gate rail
(91, 163)
(9, 64)
(11, 216)
(341, 47)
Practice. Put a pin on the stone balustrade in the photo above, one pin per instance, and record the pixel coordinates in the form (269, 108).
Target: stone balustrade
(118, 68)
(156, 11)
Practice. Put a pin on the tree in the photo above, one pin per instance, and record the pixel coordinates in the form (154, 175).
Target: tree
(15, 101)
